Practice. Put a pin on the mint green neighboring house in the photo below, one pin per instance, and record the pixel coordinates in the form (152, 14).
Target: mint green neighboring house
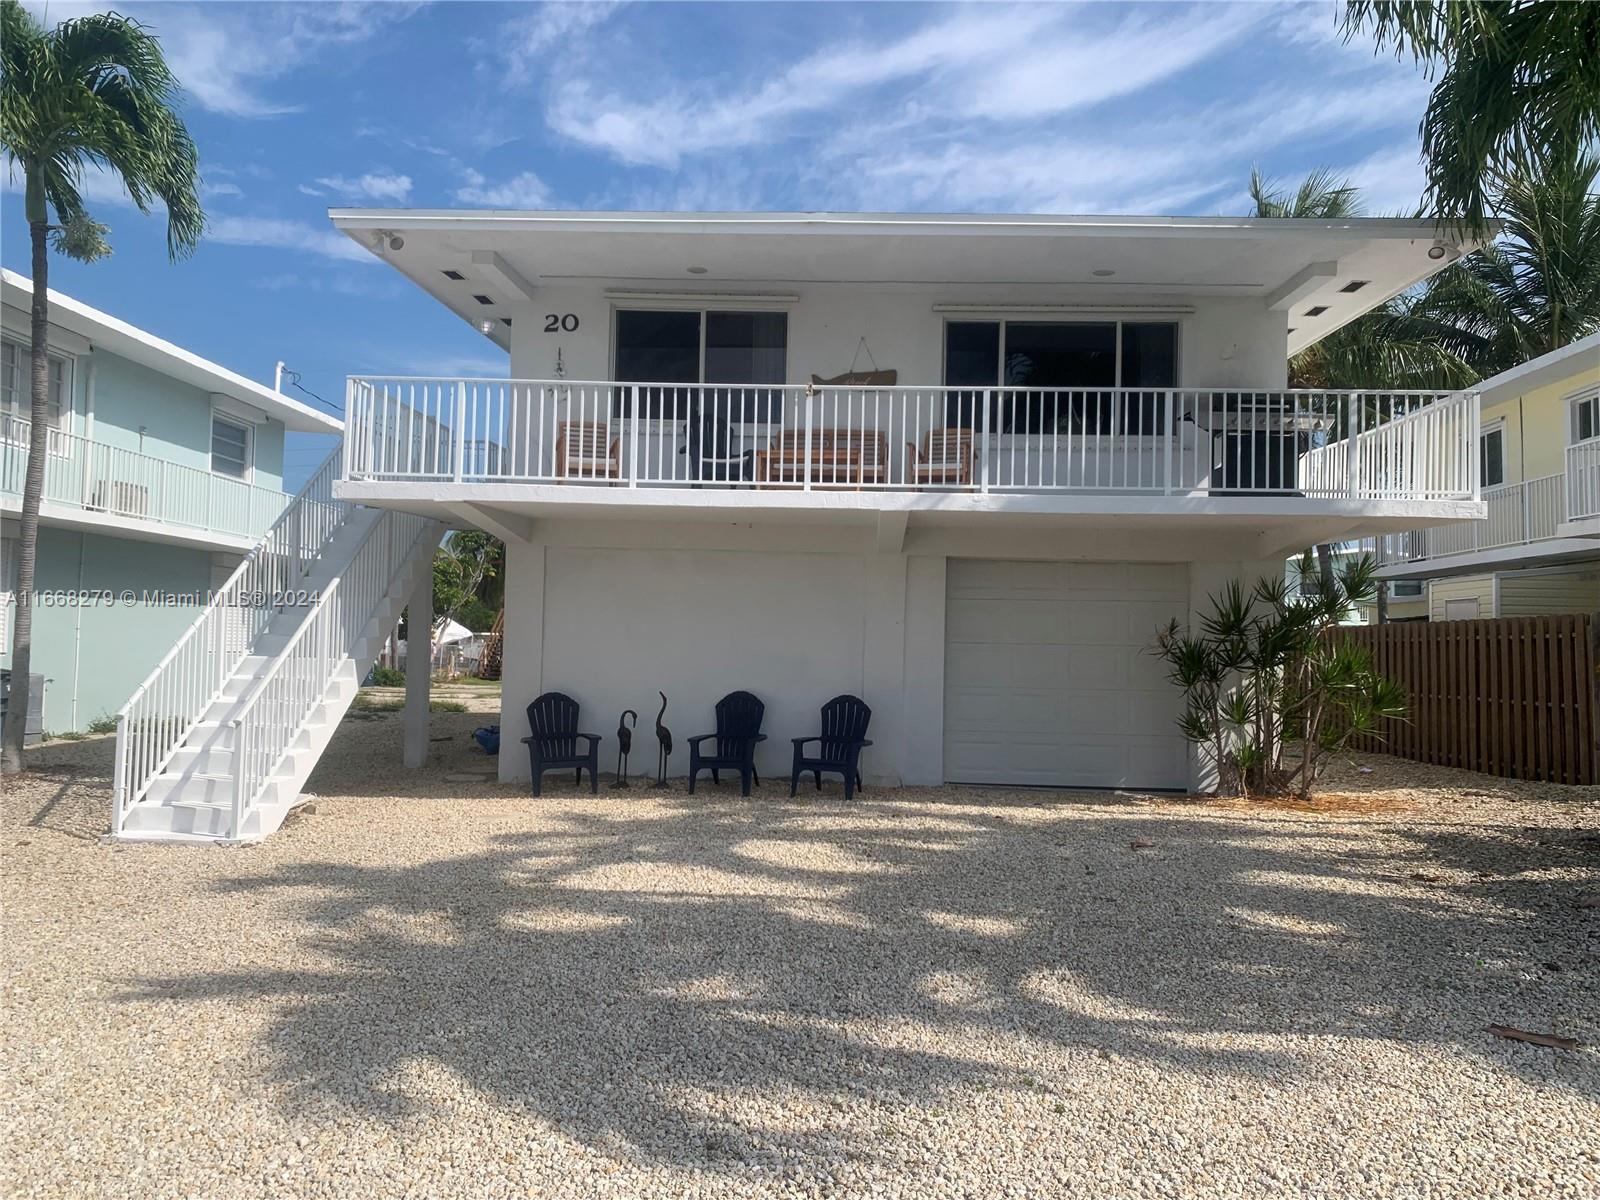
(164, 469)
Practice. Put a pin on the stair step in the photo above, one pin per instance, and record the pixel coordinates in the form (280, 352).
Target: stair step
(193, 798)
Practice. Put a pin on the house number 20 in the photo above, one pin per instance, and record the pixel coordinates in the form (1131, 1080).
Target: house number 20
(560, 322)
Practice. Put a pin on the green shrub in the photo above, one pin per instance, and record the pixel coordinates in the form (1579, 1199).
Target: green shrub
(1262, 671)
(103, 725)
(387, 677)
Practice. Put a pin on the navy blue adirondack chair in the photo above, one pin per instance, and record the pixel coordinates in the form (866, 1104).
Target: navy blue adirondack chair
(738, 733)
(554, 737)
(839, 745)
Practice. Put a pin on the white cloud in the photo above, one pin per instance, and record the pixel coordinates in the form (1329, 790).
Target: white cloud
(981, 62)
(279, 234)
(210, 191)
(227, 55)
(380, 185)
(527, 37)
(1391, 181)
(526, 190)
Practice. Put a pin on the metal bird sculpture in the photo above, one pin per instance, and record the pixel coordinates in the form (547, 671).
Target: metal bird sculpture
(624, 745)
(664, 739)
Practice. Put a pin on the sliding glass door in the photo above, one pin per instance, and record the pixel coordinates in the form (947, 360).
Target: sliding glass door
(676, 346)
(1065, 370)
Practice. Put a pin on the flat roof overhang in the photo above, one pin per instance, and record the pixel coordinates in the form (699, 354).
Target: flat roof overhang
(931, 522)
(1551, 552)
(115, 525)
(1345, 267)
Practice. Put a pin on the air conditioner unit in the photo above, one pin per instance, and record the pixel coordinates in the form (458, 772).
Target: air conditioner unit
(120, 496)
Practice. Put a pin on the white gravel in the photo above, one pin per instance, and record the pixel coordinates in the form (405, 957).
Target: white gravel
(448, 989)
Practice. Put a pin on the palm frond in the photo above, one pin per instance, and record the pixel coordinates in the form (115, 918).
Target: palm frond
(97, 91)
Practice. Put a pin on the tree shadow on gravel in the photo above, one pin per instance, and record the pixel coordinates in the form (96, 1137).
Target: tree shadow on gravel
(634, 974)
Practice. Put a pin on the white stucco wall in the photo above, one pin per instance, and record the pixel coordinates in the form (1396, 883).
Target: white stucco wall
(698, 611)
(1222, 342)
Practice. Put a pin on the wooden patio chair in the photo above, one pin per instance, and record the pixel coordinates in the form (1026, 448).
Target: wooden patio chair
(839, 745)
(945, 457)
(785, 461)
(586, 450)
(553, 740)
(738, 733)
(861, 456)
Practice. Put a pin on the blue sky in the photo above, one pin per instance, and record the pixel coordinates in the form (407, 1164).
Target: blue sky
(1071, 108)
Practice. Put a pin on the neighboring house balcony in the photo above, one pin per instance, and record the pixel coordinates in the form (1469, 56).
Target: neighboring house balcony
(1583, 488)
(1268, 459)
(1527, 524)
(96, 486)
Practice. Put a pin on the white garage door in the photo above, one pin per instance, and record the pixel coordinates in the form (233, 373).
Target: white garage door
(1048, 679)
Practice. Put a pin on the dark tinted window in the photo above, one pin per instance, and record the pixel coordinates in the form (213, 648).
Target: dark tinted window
(1149, 355)
(747, 347)
(1047, 354)
(971, 359)
(1492, 457)
(658, 347)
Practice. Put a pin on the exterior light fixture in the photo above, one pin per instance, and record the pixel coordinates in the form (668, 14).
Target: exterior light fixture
(486, 326)
(1103, 272)
(697, 270)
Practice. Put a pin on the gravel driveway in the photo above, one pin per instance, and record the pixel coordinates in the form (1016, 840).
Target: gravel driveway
(436, 987)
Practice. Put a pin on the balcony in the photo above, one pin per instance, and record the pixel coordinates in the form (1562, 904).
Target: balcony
(1583, 480)
(89, 484)
(837, 446)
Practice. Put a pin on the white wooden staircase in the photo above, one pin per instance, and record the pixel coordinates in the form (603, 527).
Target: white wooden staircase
(217, 743)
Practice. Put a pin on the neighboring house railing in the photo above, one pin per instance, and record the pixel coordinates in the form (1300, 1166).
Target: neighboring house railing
(1583, 480)
(94, 477)
(1518, 513)
(174, 697)
(1158, 441)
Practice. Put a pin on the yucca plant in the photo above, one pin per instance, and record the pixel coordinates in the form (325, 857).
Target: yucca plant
(1269, 694)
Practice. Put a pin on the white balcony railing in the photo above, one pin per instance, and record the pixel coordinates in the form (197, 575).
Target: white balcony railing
(1518, 513)
(1175, 442)
(94, 477)
(1583, 480)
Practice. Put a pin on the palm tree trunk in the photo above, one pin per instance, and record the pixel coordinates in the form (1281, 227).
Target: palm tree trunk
(1383, 602)
(32, 491)
(1325, 568)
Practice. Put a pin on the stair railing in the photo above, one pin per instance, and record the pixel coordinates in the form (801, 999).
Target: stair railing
(173, 698)
(280, 702)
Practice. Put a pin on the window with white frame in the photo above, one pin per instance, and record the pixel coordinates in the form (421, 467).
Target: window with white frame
(16, 391)
(230, 447)
(1492, 454)
(1585, 415)
(678, 346)
(1053, 357)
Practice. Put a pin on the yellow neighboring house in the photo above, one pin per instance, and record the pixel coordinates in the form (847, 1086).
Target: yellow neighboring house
(1538, 550)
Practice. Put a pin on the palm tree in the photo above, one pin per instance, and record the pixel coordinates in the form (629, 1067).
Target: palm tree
(1537, 287)
(91, 93)
(1512, 76)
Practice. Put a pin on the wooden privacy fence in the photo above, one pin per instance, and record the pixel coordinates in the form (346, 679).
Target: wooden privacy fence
(1516, 696)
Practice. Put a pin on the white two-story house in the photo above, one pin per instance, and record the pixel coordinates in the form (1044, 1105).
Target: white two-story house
(964, 467)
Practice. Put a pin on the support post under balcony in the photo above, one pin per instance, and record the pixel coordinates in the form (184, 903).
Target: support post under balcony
(419, 666)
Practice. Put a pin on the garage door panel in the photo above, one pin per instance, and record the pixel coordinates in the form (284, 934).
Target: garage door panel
(1048, 676)
(1000, 667)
